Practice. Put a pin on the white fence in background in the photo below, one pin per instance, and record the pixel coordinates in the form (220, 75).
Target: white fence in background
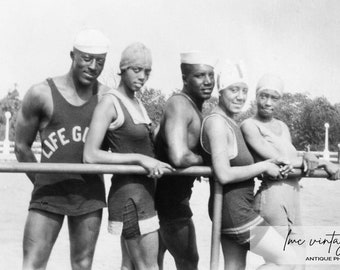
(7, 152)
(36, 147)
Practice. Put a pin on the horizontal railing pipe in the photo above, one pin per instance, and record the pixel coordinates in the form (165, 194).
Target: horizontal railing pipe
(32, 167)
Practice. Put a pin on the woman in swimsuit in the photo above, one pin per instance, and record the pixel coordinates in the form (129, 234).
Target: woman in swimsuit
(121, 122)
(234, 168)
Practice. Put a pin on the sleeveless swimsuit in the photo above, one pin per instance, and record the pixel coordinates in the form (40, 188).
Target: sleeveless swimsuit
(238, 214)
(278, 202)
(63, 142)
(131, 194)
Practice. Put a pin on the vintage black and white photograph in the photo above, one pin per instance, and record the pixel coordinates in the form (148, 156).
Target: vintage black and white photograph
(170, 135)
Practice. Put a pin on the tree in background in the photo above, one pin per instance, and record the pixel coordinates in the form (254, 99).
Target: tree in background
(313, 117)
(11, 103)
(290, 112)
(154, 102)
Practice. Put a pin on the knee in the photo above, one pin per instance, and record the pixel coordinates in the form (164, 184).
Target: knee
(82, 261)
(187, 263)
(34, 263)
(35, 257)
(234, 265)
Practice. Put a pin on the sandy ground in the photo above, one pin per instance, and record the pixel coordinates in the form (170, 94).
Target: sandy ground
(15, 192)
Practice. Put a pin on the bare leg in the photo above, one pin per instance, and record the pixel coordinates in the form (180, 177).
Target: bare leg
(279, 205)
(161, 252)
(234, 254)
(84, 231)
(270, 247)
(179, 238)
(127, 264)
(143, 251)
(41, 231)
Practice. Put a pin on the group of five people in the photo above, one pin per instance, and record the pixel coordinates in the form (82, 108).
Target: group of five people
(81, 120)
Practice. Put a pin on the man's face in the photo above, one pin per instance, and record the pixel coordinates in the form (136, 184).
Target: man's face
(267, 101)
(87, 67)
(135, 77)
(234, 97)
(200, 81)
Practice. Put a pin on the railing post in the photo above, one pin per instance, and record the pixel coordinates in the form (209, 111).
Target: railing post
(6, 145)
(216, 226)
(326, 151)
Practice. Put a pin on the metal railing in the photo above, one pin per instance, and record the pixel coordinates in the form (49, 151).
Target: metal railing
(27, 167)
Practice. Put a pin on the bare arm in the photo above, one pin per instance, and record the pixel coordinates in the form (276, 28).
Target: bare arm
(177, 120)
(332, 169)
(103, 115)
(219, 137)
(27, 126)
(296, 160)
(266, 150)
(256, 141)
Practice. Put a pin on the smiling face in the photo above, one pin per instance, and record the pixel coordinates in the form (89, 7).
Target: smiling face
(233, 98)
(198, 81)
(267, 101)
(86, 67)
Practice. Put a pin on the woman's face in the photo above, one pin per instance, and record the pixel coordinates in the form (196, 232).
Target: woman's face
(267, 101)
(135, 77)
(234, 97)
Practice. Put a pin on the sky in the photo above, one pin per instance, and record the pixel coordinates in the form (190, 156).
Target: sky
(297, 39)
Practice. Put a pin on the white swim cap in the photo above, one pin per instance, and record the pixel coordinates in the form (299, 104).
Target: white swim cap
(229, 74)
(136, 54)
(91, 41)
(270, 82)
(197, 57)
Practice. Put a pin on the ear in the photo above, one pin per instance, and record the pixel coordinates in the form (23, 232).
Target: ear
(72, 55)
(184, 78)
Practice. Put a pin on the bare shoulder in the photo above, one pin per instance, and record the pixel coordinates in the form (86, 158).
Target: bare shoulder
(107, 100)
(215, 122)
(39, 90)
(107, 106)
(248, 121)
(283, 124)
(248, 125)
(37, 105)
(285, 129)
(38, 96)
(217, 127)
(179, 105)
(178, 100)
